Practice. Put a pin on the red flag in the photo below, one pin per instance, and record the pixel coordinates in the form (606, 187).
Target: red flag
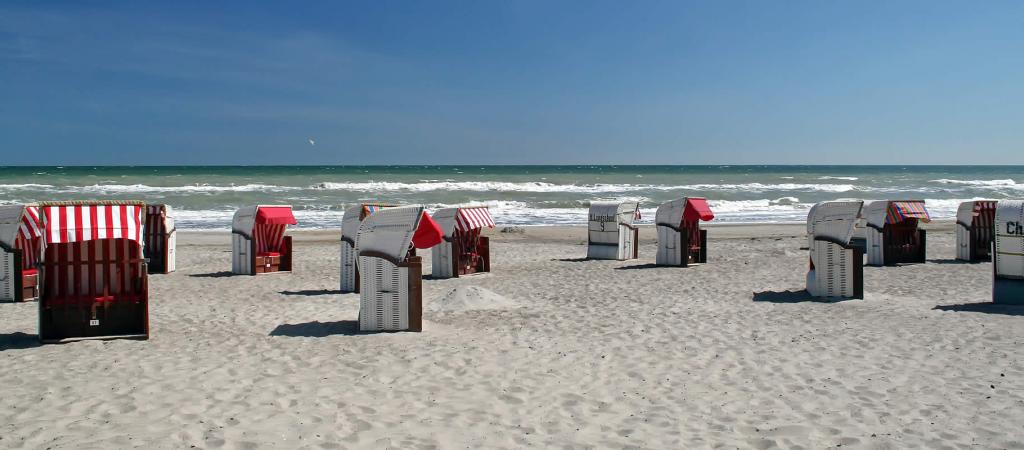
(428, 234)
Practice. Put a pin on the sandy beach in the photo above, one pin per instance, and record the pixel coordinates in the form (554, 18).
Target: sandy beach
(576, 354)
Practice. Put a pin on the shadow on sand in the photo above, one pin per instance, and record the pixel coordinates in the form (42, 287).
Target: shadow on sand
(318, 329)
(984, 307)
(221, 274)
(15, 341)
(954, 261)
(312, 292)
(639, 266)
(799, 296)
(572, 259)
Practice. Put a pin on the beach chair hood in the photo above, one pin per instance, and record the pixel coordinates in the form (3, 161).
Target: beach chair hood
(624, 213)
(246, 218)
(834, 221)
(674, 213)
(463, 218)
(389, 232)
(18, 220)
(880, 212)
(81, 221)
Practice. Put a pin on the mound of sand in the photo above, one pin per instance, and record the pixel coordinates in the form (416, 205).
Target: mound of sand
(470, 298)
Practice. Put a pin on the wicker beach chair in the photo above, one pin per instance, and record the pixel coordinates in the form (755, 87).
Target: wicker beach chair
(258, 241)
(20, 250)
(610, 231)
(681, 242)
(836, 266)
(975, 230)
(464, 251)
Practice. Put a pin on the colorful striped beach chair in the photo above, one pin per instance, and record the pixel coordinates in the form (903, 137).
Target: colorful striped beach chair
(892, 232)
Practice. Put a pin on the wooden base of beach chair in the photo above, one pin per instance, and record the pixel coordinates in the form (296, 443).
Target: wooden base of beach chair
(391, 294)
(836, 270)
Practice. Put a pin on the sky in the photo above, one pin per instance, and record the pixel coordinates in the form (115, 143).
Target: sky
(511, 82)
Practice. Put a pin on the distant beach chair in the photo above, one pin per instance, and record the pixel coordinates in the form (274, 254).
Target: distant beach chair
(610, 232)
(160, 238)
(975, 225)
(836, 265)
(680, 240)
(94, 277)
(892, 232)
(390, 282)
(258, 241)
(464, 251)
(1008, 261)
(350, 222)
(20, 249)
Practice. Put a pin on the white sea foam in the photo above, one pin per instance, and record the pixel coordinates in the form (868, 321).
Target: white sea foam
(1000, 183)
(536, 186)
(828, 177)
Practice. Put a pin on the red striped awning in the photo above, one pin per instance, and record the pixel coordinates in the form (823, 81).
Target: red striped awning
(86, 222)
(903, 210)
(275, 215)
(29, 228)
(473, 218)
(697, 208)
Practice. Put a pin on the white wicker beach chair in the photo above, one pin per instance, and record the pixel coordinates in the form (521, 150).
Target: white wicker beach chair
(1008, 278)
(610, 232)
(974, 230)
(836, 266)
(350, 222)
(160, 238)
(390, 294)
(20, 251)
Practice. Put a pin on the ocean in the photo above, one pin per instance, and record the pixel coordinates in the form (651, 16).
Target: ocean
(206, 197)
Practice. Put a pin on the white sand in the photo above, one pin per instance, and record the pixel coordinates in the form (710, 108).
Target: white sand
(601, 354)
(469, 298)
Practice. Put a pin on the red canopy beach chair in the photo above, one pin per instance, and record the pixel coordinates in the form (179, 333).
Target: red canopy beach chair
(258, 241)
(20, 250)
(680, 240)
(94, 278)
(464, 251)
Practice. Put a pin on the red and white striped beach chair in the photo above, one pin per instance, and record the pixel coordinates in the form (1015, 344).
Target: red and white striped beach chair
(464, 251)
(258, 241)
(20, 249)
(681, 242)
(349, 228)
(892, 232)
(610, 230)
(836, 266)
(390, 291)
(1008, 261)
(974, 230)
(160, 238)
(94, 278)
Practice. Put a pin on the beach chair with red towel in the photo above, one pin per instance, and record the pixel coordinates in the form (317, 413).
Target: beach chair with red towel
(681, 242)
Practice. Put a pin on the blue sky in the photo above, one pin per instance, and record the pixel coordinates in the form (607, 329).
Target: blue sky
(547, 82)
